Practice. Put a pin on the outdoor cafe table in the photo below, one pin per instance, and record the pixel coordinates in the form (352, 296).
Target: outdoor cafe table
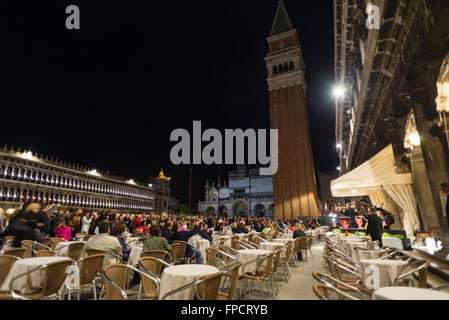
(63, 246)
(135, 253)
(408, 293)
(388, 270)
(32, 282)
(180, 275)
(200, 244)
(272, 246)
(246, 255)
(368, 254)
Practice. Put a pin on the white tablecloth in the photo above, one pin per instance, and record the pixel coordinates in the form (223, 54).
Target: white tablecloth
(350, 245)
(393, 243)
(63, 247)
(33, 282)
(202, 245)
(246, 255)
(368, 254)
(180, 275)
(407, 293)
(134, 255)
(273, 246)
(388, 270)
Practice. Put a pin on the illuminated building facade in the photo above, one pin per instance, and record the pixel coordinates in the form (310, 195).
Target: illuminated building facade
(25, 176)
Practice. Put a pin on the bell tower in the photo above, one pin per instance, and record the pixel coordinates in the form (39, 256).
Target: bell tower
(294, 185)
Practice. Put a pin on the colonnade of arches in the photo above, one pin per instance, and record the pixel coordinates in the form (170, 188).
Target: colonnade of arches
(9, 171)
(44, 197)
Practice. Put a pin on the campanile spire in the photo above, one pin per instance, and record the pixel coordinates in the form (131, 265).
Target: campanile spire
(294, 185)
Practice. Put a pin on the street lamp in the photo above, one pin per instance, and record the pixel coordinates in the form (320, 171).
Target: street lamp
(339, 91)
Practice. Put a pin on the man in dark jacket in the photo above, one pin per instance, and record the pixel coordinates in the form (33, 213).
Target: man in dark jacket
(203, 232)
(374, 228)
(184, 236)
(167, 231)
(350, 212)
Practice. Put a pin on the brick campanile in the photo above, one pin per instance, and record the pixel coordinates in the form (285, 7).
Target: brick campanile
(294, 185)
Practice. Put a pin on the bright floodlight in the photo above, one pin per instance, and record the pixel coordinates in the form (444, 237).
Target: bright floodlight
(339, 92)
(338, 168)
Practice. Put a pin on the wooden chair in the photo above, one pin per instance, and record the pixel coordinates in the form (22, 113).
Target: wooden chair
(87, 237)
(302, 245)
(284, 261)
(17, 252)
(6, 262)
(309, 245)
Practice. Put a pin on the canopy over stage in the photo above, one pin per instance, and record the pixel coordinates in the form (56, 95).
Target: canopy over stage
(370, 176)
(376, 177)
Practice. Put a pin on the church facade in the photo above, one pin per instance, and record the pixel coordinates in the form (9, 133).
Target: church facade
(248, 194)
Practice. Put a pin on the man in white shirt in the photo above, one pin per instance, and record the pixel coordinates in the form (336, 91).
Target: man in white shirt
(106, 243)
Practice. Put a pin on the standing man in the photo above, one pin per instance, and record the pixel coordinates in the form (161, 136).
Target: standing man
(350, 212)
(445, 189)
(374, 228)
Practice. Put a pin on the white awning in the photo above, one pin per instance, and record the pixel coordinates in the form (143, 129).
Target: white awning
(370, 176)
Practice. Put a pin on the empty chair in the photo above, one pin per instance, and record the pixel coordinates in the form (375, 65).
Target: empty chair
(115, 279)
(17, 252)
(28, 245)
(46, 241)
(178, 251)
(206, 288)
(421, 267)
(152, 266)
(45, 253)
(160, 254)
(54, 242)
(322, 292)
(6, 262)
(87, 237)
(234, 273)
(75, 250)
(89, 268)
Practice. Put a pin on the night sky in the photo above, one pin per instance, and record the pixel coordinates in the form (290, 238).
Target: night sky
(108, 95)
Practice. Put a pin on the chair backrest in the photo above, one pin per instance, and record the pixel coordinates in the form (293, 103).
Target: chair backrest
(302, 243)
(288, 252)
(87, 237)
(251, 237)
(45, 253)
(6, 262)
(75, 250)
(17, 252)
(160, 254)
(55, 275)
(209, 288)
(265, 264)
(46, 241)
(153, 265)
(330, 265)
(212, 254)
(91, 252)
(234, 273)
(27, 245)
(178, 250)
(276, 260)
(89, 267)
(235, 242)
(54, 242)
(296, 247)
(321, 290)
(117, 273)
(309, 242)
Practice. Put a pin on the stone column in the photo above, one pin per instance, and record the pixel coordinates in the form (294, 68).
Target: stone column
(435, 155)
